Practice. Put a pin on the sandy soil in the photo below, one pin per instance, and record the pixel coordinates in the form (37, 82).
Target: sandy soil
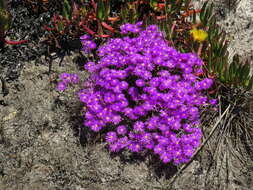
(43, 144)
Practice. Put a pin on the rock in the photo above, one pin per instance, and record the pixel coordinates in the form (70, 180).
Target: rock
(235, 17)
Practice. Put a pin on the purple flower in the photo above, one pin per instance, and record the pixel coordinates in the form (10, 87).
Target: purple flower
(163, 127)
(159, 149)
(123, 103)
(90, 66)
(128, 111)
(87, 43)
(187, 128)
(111, 137)
(121, 130)
(177, 153)
(175, 125)
(213, 101)
(123, 85)
(109, 97)
(150, 145)
(138, 110)
(116, 119)
(85, 37)
(74, 78)
(170, 64)
(133, 28)
(204, 84)
(146, 138)
(90, 44)
(95, 127)
(152, 123)
(147, 106)
(188, 151)
(114, 147)
(139, 126)
(146, 75)
(140, 82)
(134, 147)
(123, 142)
(195, 143)
(114, 82)
(61, 86)
(116, 107)
(96, 107)
(185, 140)
(166, 157)
(89, 115)
(65, 77)
(163, 141)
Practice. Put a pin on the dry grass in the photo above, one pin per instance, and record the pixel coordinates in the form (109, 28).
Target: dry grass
(232, 144)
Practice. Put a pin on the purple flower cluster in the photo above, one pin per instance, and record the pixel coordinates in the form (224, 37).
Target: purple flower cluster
(65, 79)
(132, 28)
(87, 43)
(148, 91)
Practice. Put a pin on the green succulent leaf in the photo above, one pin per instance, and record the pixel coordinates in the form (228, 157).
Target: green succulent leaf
(107, 9)
(245, 71)
(67, 10)
(166, 30)
(210, 61)
(221, 67)
(153, 4)
(100, 10)
(60, 26)
(223, 49)
(250, 84)
(206, 13)
(166, 7)
(212, 33)
(170, 9)
(203, 12)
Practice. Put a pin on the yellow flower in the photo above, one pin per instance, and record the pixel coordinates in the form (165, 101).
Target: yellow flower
(198, 35)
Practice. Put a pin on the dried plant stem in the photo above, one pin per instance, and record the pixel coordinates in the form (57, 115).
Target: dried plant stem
(171, 33)
(15, 42)
(200, 49)
(5, 90)
(198, 150)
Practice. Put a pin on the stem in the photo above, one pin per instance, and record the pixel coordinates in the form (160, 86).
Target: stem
(100, 29)
(171, 33)
(87, 29)
(14, 42)
(200, 49)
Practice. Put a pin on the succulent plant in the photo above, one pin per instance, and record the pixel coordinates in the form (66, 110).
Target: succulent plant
(215, 54)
